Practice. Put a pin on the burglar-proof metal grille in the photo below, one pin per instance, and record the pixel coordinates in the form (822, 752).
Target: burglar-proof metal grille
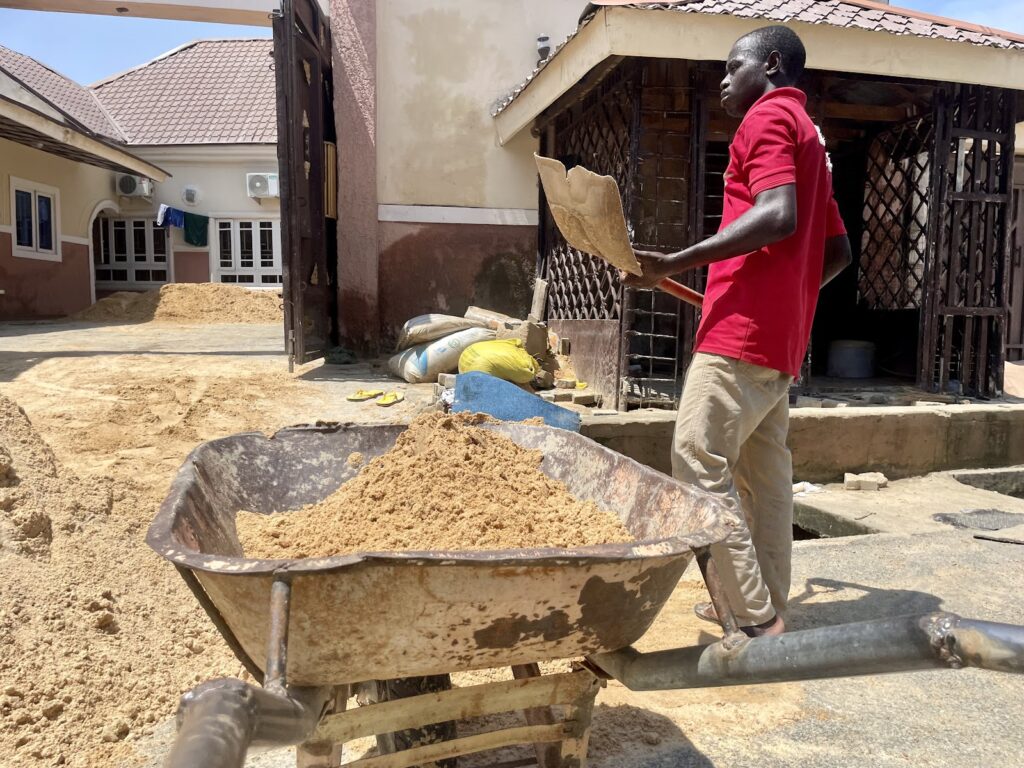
(896, 209)
(658, 329)
(596, 133)
(964, 339)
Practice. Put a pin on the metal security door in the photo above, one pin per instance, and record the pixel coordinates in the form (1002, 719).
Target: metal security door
(1015, 303)
(305, 144)
(964, 339)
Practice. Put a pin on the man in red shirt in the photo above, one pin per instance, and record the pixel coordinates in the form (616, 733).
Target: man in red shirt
(780, 240)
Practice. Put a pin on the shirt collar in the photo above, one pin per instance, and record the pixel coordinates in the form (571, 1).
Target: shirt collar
(784, 92)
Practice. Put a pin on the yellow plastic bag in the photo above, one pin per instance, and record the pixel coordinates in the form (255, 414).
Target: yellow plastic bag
(504, 358)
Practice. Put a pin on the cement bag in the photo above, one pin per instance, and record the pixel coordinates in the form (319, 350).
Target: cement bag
(425, 361)
(424, 328)
(486, 317)
(504, 358)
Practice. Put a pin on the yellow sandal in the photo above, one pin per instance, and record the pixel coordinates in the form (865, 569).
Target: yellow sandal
(391, 398)
(362, 395)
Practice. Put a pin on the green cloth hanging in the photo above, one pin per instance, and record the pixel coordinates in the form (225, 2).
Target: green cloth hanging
(197, 229)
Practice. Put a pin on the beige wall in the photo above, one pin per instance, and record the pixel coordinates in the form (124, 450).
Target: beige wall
(81, 187)
(441, 64)
(219, 175)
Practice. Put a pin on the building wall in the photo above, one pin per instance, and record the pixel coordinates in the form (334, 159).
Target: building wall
(37, 289)
(219, 175)
(414, 84)
(439, 267)
(440, 65)
(81, 186)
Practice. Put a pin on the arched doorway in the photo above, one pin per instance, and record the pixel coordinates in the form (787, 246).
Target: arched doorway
(96, 241)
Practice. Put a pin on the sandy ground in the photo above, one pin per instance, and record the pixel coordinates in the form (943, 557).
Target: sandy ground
(131, 401)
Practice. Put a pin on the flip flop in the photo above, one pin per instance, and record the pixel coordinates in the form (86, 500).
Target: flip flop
(390, 399)
(362, 395)
(706, 611)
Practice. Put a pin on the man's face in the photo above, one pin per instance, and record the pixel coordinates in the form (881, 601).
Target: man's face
(746, 78)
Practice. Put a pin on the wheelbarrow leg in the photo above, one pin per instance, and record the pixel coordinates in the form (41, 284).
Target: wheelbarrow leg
(548, 755)
(324, 754)
(573, 749)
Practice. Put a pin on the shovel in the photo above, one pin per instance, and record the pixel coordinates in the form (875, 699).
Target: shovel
(588, 211)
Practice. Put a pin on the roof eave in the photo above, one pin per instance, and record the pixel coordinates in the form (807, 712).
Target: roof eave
(101, 153)
(619, 31)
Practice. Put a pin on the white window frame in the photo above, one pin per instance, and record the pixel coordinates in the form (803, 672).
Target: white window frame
(257, 271)
(131, 263)
(35, 189)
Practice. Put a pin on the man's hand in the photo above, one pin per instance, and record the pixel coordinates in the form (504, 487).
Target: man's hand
(656, 267)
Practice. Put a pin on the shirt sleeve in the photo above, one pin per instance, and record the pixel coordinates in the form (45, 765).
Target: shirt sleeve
(770, 159)
(833, 221)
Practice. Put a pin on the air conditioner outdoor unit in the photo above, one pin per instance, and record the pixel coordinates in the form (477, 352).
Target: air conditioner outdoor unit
(134, 186)
(260, 185)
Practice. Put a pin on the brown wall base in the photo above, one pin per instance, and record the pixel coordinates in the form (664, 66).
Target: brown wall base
(34, 288)
(191, 267)
(448, 267)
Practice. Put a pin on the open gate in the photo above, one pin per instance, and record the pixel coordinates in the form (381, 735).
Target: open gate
(306, 152)
(970, 249)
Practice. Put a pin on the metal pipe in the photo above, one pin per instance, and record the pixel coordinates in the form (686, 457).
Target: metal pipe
(872, 647)
(220, 719)
(277, 643)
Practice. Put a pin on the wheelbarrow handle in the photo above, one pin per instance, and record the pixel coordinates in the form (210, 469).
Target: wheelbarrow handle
(681, 292)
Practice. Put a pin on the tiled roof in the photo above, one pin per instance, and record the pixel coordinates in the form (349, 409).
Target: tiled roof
(69, 97)
(206, 92)
(855, 14)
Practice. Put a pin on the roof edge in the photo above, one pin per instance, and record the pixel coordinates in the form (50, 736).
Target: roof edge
(870, 5)
(73, 136)
(636, 32)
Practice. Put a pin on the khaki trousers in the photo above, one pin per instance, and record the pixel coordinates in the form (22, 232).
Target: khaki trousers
(730, 440)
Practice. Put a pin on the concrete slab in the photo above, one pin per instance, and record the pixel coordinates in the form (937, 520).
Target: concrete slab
(827, 442)
(905, 506)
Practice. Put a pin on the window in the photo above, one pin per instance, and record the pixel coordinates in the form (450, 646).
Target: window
(35, 218)
(131, 253)
(249, 253)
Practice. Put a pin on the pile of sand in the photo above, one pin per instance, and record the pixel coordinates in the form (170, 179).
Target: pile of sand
(446, 484)
(188, 303)
(96, 642)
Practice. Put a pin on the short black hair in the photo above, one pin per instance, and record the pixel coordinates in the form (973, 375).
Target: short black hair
(786, 42)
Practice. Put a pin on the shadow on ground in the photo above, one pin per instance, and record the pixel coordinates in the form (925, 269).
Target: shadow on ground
(828, 602)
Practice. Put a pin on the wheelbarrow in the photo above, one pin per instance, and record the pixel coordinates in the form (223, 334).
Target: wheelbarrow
(314, 631)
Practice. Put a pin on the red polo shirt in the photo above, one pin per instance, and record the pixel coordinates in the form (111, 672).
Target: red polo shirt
(759, 307)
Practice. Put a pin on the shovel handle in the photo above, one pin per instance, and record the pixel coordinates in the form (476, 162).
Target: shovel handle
(681, 292)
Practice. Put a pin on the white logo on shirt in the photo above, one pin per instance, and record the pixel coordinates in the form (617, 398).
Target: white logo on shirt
(821, 140)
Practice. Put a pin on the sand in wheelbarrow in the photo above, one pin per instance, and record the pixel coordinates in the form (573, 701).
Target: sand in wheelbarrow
(446, 484)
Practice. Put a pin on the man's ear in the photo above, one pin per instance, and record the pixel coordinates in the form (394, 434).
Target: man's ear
(773, 64)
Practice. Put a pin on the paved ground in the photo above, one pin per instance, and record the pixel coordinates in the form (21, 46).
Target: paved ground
(905, 506)
(962, 719)
(199, 349)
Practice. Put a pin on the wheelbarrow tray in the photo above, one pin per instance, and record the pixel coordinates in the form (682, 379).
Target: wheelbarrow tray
(385, 615)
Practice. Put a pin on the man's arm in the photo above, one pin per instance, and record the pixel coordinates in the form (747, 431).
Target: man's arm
(838, 257)
(771, 219)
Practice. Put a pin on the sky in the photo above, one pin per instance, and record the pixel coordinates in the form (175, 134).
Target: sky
(89, 48)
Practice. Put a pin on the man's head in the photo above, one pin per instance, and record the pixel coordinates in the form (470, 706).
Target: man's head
(765, 59)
